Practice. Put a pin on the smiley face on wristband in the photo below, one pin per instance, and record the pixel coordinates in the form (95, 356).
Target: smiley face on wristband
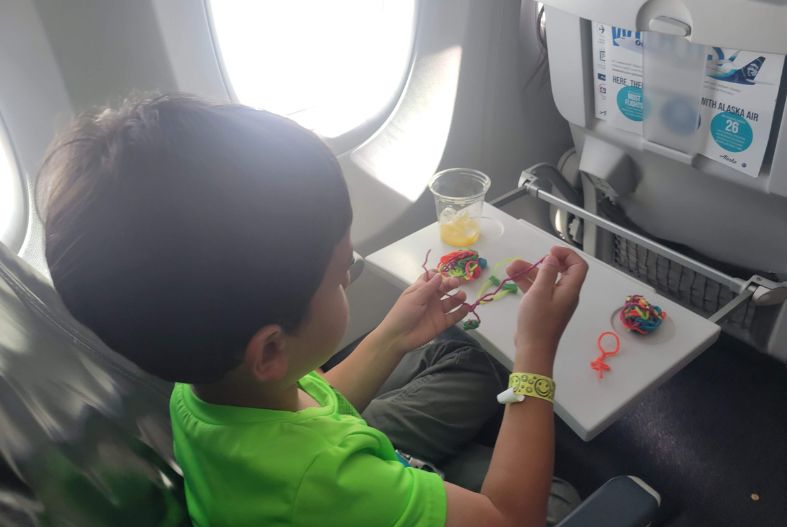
(532, 385)
(543, 387)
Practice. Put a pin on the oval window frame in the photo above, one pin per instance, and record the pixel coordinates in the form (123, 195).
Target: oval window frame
(353, 137)
(12, 234)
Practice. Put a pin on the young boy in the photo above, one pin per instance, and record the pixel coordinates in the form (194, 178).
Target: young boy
(210, 245)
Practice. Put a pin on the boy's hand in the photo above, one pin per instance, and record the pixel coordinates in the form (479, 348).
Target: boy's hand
(548, 303)
(423, 311)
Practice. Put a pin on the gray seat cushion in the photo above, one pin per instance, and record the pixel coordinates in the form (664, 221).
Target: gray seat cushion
(85, 431)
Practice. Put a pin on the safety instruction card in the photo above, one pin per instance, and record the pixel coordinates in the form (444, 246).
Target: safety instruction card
(736, 106)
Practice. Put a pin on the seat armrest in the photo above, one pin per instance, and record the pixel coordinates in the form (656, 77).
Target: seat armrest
(623, 501)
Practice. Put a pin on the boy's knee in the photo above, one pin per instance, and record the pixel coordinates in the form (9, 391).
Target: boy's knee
(473, 358)
(473, 355)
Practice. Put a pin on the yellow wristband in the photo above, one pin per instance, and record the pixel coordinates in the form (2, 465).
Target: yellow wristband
(532, 385)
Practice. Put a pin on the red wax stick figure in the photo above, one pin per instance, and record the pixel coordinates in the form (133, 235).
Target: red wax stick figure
(599, 365)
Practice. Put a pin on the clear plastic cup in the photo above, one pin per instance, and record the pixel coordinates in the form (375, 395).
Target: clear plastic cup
(459, 199)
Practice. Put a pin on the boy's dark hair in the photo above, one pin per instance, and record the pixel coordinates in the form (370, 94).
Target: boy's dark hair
(176, 228)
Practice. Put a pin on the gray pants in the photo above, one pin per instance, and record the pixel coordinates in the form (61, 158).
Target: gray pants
(438, 398)
(436, 402)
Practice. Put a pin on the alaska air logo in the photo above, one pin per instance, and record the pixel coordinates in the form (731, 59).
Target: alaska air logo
(625, 38)
(723, 68)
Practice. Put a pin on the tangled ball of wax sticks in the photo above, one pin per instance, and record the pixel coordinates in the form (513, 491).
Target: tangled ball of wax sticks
(464, 264)
(473, 324)
(640, 316)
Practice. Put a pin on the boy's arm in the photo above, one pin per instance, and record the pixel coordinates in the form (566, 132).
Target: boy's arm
(420, 314)
(516, 488)
(359, 376)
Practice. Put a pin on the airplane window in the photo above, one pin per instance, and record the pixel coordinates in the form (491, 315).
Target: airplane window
(9, 184)
(330, 66)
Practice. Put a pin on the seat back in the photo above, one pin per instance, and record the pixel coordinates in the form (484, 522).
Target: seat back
(84, 431)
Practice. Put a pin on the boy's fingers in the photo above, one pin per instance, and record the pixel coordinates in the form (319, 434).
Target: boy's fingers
(573, 268)
(458, 314)
(516, 270)
(565, 255)
(428, 275)
(449, 284)
(430, 287)
(453, 301)
(547, 273)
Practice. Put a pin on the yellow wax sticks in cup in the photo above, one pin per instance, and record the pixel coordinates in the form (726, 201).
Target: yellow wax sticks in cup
(459, 200)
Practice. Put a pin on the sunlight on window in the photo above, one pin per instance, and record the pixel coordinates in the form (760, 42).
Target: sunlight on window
(8, 190)
(542, 25)
(331, 66)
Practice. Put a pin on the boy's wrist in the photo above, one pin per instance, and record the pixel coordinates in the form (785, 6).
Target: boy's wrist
(538, 360)
(383, 342)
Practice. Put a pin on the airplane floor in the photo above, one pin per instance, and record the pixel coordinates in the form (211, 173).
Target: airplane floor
(712, 441)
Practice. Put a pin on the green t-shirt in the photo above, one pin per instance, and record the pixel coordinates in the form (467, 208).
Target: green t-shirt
(319, 466)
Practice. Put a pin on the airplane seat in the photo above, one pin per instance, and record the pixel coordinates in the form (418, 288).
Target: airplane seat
(85, 434)
(677, 115)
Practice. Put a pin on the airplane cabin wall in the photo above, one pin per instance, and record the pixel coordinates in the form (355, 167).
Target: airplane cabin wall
(34, 103)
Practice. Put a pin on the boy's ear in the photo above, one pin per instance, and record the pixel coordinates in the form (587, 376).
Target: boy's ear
(264, 356)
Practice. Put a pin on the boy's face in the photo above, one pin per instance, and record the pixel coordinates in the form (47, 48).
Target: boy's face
(324, 326)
